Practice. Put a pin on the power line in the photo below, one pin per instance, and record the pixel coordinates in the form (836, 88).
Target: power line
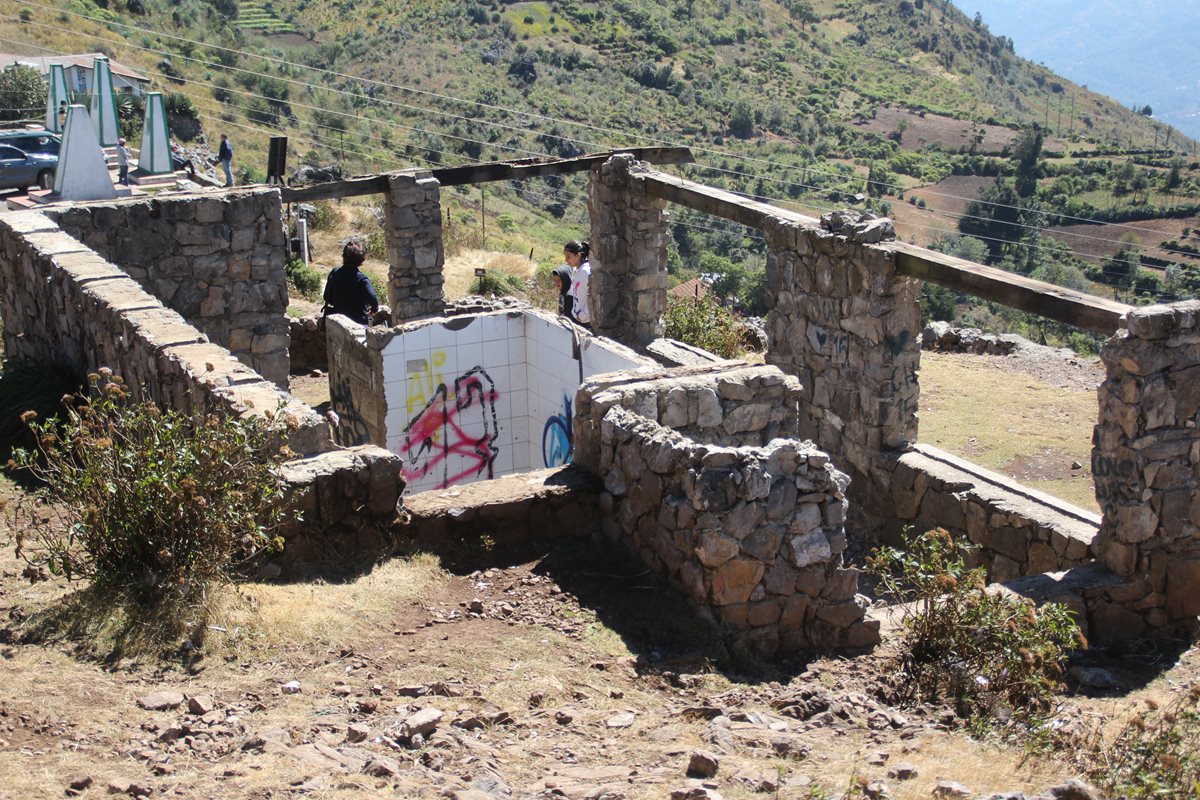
(785, 201)
(478, 104)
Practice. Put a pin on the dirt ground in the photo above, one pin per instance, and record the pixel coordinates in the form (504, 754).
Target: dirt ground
(1041, 406)
(567, 674)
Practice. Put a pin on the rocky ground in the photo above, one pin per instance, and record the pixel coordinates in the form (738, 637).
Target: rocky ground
(561, 672)
(567, 676)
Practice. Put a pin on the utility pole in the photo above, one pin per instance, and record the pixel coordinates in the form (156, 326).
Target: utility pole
(483, 216)
(1072, 132)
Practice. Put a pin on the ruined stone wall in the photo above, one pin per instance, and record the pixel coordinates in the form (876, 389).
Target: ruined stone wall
(342, 506)
(845, 323)
(628, 287)
(413, 229)
(356, 381)
(307, 348)
(1015, 531)
(64, 303)
(1146, 462)
(753, 530)
(217, 259)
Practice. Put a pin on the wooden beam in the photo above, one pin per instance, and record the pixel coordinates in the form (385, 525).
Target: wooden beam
(719, 202)
(536, 167)
(987, 283)
(351, 187)
(1082, 310)
(484, 173)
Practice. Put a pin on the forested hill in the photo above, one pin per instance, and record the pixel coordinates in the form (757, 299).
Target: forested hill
(801, 80)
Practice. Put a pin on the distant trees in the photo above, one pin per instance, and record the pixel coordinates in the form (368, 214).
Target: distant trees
(741, 119)
(22, 93)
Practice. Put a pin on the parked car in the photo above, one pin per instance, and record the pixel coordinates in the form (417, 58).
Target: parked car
(20, 170)
(32, 141)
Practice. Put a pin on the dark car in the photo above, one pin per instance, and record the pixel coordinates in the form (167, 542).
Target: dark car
(20, 170)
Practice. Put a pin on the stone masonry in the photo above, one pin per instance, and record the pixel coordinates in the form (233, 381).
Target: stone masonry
(628, 289)
(1014, 530)
(413, 229)
(1146, 462)
(63, 303)
(751, 529)
(217, 259)
(845, 322)
(356, 380)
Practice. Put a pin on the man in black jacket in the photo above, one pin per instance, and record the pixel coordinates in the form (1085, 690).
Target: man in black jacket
(348, 291)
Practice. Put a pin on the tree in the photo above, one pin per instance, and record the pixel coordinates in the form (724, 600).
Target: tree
(1122, 269)
(879, 180)
(22, 93)
(994, 217)
(741, 120)
(1026, 151)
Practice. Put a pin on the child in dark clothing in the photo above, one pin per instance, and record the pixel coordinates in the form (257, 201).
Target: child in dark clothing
(562, 282)
(348, 291)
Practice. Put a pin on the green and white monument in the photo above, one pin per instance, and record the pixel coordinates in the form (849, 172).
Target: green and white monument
(104, 103)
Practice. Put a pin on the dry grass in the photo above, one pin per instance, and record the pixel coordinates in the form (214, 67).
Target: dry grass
(1010, 422)
(460, 269)
(269, 618)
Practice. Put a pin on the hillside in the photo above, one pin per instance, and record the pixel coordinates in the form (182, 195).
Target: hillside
(803, 103)
(1148, 55)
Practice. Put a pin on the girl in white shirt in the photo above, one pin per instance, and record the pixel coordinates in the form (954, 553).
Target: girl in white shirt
(576, 255)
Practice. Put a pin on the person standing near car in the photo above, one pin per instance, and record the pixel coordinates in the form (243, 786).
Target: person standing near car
(122, 163)
(225, 159)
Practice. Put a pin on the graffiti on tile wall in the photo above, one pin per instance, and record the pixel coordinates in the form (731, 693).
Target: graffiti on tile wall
(454, 436)
(557, 442)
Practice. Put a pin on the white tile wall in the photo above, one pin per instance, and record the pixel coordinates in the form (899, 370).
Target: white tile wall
(531, 368)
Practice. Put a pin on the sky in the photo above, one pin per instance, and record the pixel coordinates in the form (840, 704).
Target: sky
(1138, 52)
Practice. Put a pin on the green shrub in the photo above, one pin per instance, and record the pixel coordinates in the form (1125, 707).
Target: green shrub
(988, 654)
(145, 501)
(376, 245)
(304, 279)
(325, 216)
(499, 283)
(704, 323)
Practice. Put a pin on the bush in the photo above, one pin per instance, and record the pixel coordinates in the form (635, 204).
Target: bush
(325, 216)
(147, 501)
(704, 323)
(500, 283)
(1155, 754)
(304, 279)
(988, 654)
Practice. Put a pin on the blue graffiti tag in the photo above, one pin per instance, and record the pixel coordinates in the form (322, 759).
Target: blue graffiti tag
(558, 445)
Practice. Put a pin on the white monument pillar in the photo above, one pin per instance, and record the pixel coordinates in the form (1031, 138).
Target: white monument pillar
(57, 94)
(155, 155)
(104, 103)
(82, 173)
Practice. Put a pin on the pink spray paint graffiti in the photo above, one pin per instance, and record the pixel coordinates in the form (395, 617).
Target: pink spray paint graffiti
(447, 440)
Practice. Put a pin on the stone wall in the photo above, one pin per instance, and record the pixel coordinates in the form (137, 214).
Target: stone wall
(846, 323)
(356, 381)
(413, 229)
(1015, 530)
(342, 506)
(64, 303)
(628, 287)
(751, 530)
(1146, 462)
(306, 346)
(217, 259)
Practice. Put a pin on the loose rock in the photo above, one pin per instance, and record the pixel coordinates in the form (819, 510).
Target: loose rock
(703, 764)
(161, 701)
